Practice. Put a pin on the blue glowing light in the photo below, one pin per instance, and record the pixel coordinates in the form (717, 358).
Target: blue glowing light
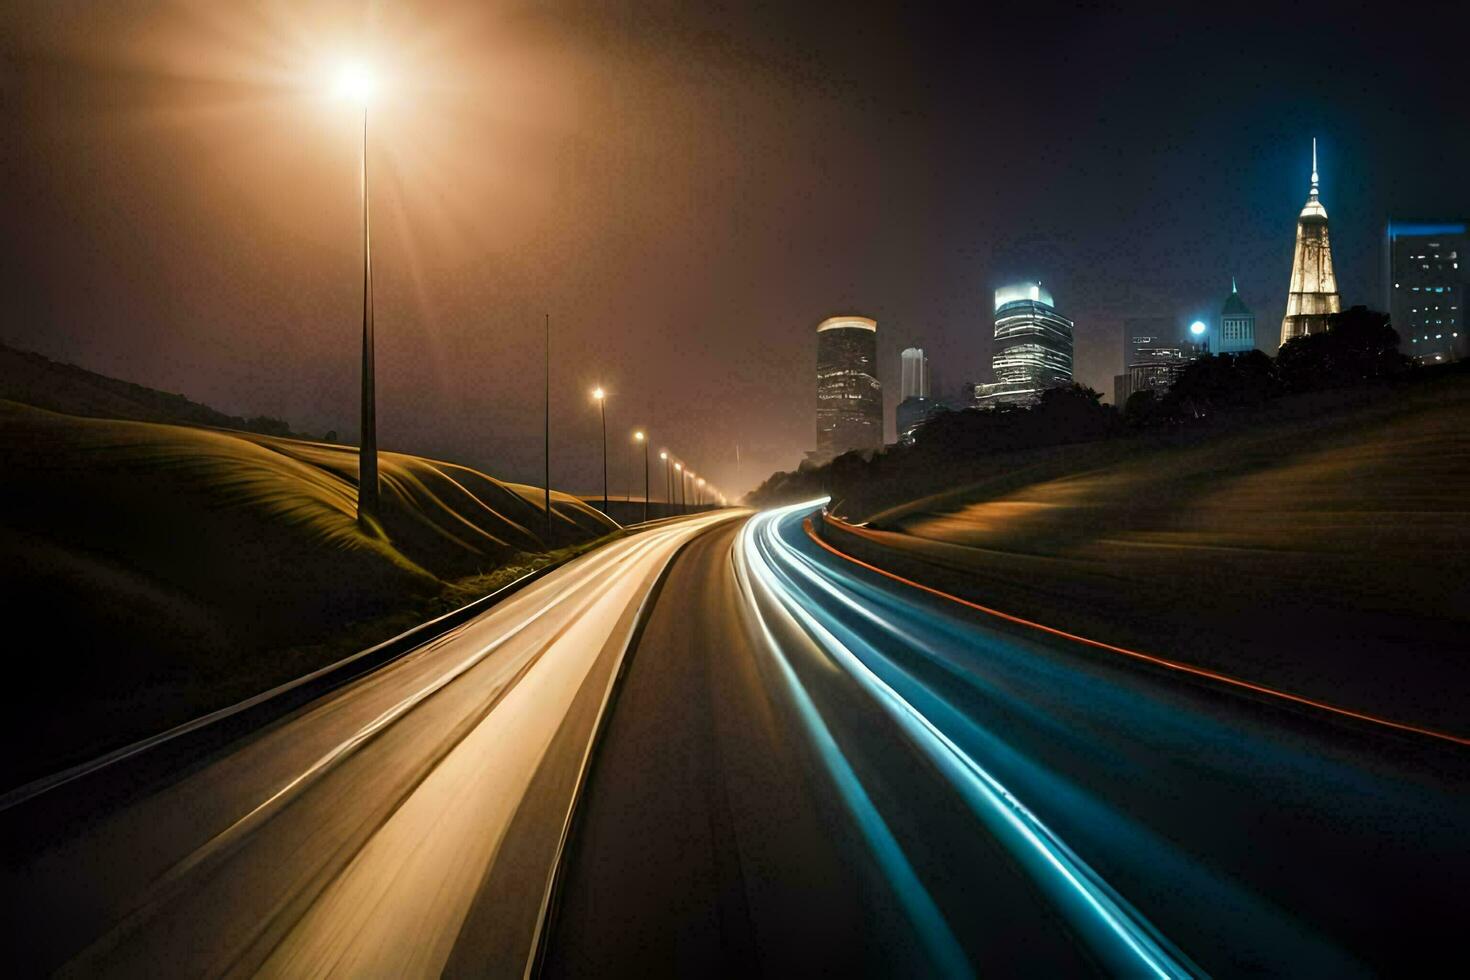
(773, 573)
(1444, 228)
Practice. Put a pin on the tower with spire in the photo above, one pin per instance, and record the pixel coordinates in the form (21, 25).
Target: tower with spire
(1313, 295)
(1237, 324)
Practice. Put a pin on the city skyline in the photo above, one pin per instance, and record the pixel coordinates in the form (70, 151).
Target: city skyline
(510, 137)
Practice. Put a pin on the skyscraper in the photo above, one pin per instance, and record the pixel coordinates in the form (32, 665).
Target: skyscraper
(1032, 349)
(912, 413)
(915, 374)
(1427, 278)
(1313, 296)
(1142, 334)
(915, 405)
(1237, 325)
(849, 396)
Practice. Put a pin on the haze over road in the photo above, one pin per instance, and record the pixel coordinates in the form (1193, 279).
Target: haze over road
(806, 766)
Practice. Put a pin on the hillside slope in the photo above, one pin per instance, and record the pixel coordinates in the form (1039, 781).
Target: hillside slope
(37, 380)
(1327, 551)
(168, 565)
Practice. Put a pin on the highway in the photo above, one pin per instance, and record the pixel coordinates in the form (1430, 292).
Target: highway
(814, 766)
(805, 766)
(359, 835)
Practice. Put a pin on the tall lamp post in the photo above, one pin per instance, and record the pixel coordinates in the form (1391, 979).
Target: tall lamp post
(356, 83)
(601, 398)
(1200, 333)
(699, 494)
(547, 457)
(640, 437)
(679, 469)
(663, 454)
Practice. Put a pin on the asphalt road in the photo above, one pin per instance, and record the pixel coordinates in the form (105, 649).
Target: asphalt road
(1041, 807)
(806, 768)
(360, 835)
(710, 842)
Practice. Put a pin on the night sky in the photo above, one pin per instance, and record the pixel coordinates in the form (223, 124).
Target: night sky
(687, 189)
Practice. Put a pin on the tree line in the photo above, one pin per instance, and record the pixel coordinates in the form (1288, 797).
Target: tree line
(1360, 347)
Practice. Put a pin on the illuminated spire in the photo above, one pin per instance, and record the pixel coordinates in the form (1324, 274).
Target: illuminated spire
(1312, 297)
(1314, 168)
(1232, 285)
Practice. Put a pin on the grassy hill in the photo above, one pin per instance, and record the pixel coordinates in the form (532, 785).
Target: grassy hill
(37, 380)
(1322, 544)
(168, 569)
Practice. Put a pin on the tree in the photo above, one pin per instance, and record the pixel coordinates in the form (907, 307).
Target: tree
(1073, 413)
(1213, 382)
(1358, 345)
(1143, 408)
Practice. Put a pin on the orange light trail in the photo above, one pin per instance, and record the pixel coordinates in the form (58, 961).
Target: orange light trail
(1135, 654)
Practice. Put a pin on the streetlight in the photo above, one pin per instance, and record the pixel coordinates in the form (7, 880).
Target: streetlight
(356, 83)
(639, 437)
(679, 468)
(1198, 330)
(547, 431)
(699, 494)
(663, 454)
(600, 397)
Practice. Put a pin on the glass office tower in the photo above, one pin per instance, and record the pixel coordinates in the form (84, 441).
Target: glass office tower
(1032, 349)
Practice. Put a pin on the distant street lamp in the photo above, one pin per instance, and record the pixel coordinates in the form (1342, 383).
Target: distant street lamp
(1200, 333)
(679, 468)
(356, 83)
(663, 454)
(699, 494)
(640, 437)
(600, 397)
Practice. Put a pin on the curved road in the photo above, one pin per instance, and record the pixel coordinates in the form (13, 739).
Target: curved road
(806, 767)
(1006, 801)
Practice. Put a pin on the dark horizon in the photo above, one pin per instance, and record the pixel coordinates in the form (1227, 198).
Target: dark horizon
(688, 193)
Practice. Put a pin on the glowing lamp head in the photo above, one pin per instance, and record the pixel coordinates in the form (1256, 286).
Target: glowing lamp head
(1198, 328)
(638, 436)
(356, 83)
(663, 455)
(679, 467)
(598, 393)
(701, 481)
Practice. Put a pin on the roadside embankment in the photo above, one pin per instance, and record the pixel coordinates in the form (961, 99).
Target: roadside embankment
(153, 572)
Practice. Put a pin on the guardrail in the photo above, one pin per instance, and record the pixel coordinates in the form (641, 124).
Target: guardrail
(126, 770)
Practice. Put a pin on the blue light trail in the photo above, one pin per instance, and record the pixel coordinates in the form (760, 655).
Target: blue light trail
(950, 737)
